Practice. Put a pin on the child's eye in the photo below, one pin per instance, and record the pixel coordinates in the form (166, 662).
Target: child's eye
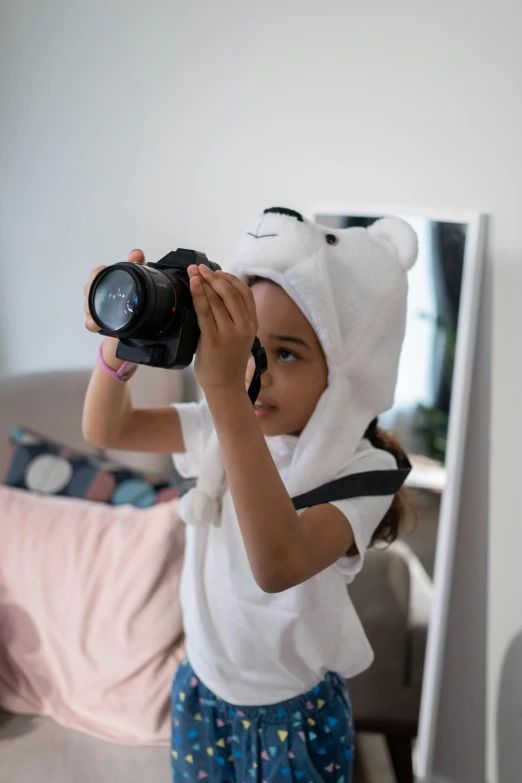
(287, 356)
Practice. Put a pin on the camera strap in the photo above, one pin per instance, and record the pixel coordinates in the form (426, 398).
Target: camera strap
(358, 485)
(261, 363)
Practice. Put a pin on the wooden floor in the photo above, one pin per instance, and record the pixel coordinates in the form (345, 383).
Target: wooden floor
(38, 749)
(372, 764)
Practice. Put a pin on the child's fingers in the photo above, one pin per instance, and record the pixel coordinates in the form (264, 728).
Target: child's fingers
(206, 320)
(136, 257)
(89, 323)
(91, 326)
(218, 307)
(91, 278)
(230, 296)
(245, 292)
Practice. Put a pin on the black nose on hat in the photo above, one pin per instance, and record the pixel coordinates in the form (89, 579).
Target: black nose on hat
(284, 211)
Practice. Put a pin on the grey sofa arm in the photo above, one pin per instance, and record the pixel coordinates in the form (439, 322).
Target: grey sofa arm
(419, 611)
(392, 596)
(51, 403)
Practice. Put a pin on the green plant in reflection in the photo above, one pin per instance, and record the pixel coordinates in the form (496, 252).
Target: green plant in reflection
(435, 419)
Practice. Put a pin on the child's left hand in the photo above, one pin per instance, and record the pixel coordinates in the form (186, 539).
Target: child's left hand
(227, 317)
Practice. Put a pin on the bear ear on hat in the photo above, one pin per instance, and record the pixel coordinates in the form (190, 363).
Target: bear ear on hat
(399, 236)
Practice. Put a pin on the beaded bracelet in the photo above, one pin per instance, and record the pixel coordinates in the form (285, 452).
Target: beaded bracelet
(122, 374)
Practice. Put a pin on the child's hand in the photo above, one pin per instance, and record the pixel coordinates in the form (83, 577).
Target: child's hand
(227, 317)
(135, 256)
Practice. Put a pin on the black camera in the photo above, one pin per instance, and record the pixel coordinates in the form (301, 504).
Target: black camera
(149, 308)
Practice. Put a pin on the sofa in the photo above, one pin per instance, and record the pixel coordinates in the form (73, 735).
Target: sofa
(392, 597)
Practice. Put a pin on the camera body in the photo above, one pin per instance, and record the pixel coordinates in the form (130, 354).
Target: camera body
(149, 308)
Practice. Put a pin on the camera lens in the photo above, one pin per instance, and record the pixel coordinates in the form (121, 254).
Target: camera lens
(116, 299)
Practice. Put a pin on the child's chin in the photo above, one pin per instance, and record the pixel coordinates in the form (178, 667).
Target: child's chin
(272, 428)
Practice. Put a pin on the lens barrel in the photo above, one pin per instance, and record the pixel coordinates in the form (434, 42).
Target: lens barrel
(138, 301)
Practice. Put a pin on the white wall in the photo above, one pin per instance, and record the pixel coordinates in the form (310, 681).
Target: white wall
(169, 123)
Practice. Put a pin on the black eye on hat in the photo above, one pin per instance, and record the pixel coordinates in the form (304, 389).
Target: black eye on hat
(331, 239)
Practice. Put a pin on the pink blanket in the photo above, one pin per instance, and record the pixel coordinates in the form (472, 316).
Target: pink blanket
(90, 622)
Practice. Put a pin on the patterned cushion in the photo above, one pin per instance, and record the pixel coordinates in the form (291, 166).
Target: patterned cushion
(34, 463)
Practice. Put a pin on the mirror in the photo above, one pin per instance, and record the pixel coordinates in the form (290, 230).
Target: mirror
(403, 593)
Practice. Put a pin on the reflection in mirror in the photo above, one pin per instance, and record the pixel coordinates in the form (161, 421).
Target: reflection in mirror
(395, 595)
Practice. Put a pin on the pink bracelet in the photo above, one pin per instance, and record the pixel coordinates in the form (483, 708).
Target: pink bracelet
(122, 374)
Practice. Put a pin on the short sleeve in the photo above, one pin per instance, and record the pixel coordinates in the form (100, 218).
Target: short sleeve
(196, 427)
(364, 513)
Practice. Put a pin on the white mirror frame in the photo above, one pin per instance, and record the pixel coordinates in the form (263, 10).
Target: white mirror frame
(457, 431)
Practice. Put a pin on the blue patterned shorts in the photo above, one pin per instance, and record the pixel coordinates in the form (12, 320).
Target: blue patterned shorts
(308, 739)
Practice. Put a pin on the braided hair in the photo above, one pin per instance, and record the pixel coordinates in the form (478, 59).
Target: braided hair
(393, 522)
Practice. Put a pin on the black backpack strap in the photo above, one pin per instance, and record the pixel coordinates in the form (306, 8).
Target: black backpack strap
(357, 485)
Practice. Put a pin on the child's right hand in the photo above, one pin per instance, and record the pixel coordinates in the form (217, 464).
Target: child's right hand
(109, 419)
(135, 257)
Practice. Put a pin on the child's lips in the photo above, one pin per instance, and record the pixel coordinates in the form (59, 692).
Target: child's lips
(263, 409)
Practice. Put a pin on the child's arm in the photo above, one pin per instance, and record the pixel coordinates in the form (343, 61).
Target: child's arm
(111, 422)
(109, 419)
(283, 548)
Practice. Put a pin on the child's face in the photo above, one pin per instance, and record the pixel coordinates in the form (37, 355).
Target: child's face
(297, 372)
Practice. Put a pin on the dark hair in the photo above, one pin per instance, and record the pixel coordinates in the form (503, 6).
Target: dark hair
(393, 522)
(253, 279)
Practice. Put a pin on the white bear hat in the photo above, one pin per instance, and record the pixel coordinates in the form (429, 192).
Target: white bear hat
(351, 284)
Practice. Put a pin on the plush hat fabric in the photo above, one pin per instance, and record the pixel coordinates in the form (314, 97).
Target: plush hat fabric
(351, 285)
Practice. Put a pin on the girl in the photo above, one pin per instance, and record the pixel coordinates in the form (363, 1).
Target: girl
(271, 631)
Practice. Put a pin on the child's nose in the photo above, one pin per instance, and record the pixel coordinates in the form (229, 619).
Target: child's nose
(266, 379)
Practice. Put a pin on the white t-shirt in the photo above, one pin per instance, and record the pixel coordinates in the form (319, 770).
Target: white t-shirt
(254, 648)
